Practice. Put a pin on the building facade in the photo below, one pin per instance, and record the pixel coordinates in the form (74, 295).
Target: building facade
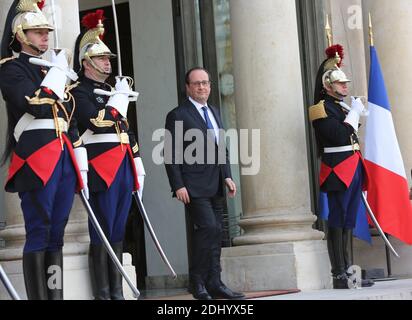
(263, 57)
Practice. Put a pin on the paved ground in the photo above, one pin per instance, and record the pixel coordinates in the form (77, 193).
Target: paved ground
(385, 290)
(382, 290)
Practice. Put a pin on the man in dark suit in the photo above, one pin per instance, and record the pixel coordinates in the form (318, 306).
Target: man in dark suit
(198, 182)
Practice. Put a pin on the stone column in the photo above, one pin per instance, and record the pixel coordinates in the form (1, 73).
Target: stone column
(392, 33)
(279, 248)
(76, 278)
(347, 28)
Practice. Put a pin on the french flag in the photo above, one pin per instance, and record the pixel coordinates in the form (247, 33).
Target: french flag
(388, 192)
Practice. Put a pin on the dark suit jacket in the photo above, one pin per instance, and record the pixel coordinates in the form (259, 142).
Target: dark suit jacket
(201, 179)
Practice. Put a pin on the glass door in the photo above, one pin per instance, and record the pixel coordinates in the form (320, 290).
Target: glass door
(203, 38)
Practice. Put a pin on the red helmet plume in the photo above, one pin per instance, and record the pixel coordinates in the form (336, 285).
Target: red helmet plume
(332, 50)
(91, 20)
(41, 4)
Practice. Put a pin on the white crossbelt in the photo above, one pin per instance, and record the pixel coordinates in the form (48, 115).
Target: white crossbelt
(28, 122)
(340, 149)
(89, 138)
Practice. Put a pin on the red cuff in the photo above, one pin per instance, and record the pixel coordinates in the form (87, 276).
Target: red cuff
(114, 113)
(47, 90)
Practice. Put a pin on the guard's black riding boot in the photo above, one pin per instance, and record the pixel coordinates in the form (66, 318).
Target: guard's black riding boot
(197, 288)
(347, 247)
(115, 277)
(54, 274)
(336, 256)
(34, 275)
(348, 255)
(99, 274)
(218, 290)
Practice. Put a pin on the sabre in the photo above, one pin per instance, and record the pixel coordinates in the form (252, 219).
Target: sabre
(56, 34)
(152, 233)
(7, 284)
(116, 31)
(106, 244)
(378, 227)
(132, 95)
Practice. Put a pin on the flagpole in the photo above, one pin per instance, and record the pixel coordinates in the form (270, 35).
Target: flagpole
(371, 40)
(329, 34)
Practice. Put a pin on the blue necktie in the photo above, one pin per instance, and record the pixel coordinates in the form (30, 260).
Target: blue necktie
(208, 122)
(207, 119)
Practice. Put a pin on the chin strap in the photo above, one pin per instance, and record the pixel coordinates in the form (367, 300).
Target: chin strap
(100, 70)
(23, 37)
(341, 96)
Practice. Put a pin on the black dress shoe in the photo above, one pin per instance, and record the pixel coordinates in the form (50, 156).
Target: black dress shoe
(199, 292)
(367, 283)
(223, 292)
(341, 281)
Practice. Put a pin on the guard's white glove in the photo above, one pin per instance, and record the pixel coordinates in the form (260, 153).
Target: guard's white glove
(58, 74)
(141, 173)
(357, 110)
(358, 106)
(81, 158)
(120, 101)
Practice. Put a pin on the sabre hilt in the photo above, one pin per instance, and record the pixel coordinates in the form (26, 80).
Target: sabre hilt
(133, 95)
(347, 108)
(44, 63)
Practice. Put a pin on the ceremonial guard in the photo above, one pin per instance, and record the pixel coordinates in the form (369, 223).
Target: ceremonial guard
(41, 136)
(116, 169)
(342, 174)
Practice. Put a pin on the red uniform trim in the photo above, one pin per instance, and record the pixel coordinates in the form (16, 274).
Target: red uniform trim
(108, 163)
(345, 170)
(80, 184)
(366, 175)
(114, 113)
(15, 165)
(325, 171)
(136, 181)
(44, 161)
(47, 90)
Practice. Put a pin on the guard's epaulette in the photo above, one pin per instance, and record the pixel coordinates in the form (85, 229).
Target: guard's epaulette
(3, 61)
(317, 111)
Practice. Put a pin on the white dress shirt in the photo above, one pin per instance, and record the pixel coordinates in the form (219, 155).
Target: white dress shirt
(210, 114)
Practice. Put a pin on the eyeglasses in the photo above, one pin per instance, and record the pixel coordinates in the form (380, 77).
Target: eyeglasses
(199, 83)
